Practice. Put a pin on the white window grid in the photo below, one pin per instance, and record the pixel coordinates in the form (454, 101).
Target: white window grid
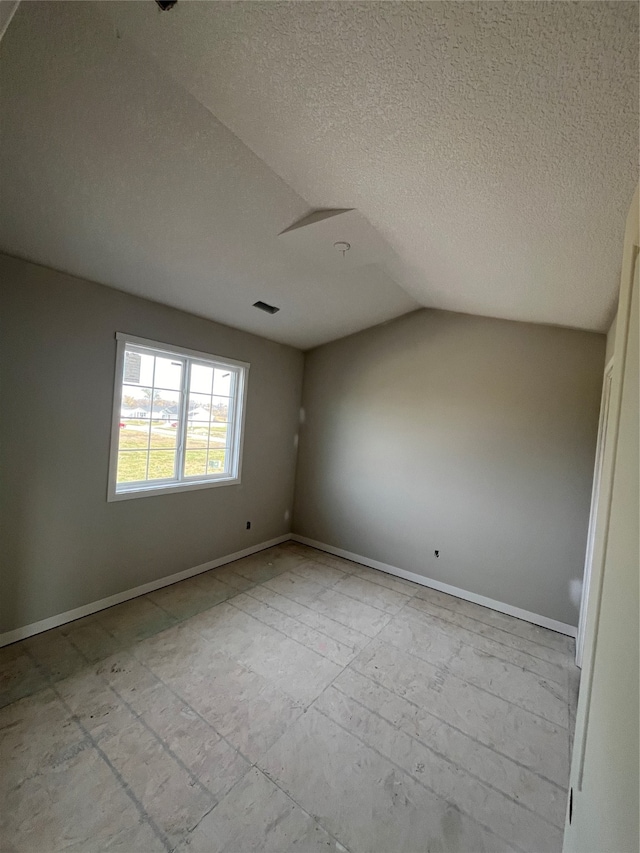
(235, 420)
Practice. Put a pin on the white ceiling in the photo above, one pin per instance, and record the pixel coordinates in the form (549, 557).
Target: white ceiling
(492, 145)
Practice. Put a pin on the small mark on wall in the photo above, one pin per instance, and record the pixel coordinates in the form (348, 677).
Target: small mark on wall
(575, 592)
(571, 805)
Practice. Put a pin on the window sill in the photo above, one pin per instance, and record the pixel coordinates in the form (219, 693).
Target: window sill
(164, 488)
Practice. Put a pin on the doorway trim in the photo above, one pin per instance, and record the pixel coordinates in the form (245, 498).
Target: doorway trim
(595, 496)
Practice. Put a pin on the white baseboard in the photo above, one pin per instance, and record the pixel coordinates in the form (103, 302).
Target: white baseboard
(87, 609)
(119, 597)
(500, 606)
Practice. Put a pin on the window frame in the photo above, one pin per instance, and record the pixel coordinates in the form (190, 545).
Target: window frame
(178, 483)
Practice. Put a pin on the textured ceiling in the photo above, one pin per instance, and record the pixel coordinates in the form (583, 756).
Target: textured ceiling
(111, 171)
(492, 145)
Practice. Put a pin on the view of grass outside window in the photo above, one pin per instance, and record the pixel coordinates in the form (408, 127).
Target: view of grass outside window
(179, 419)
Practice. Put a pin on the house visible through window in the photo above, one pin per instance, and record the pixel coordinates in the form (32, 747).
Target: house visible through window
(177, 420)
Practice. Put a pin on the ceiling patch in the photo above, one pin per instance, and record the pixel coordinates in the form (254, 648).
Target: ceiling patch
(336, 240)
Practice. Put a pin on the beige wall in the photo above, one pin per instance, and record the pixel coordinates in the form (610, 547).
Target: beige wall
(468, 435)
(63, 545)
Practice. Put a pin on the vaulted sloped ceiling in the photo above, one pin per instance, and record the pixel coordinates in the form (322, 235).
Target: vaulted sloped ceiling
(492, 145)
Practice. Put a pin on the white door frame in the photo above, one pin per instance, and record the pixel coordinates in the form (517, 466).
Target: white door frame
(595, 495)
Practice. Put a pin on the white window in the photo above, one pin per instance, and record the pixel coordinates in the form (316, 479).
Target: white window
(178, 419)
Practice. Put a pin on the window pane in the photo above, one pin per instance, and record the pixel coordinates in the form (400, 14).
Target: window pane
(138, 368)
(195, 463)
(136, 402)
(197, 435)
(156, 404)
(168, 374)
(166, 419)
(199, 406)
(220, 409)
(134, 434)
(164, 434)
(132, 466)
(201, 379)
(218, 435)
(222, 381)
(218, 460)
(161, 464)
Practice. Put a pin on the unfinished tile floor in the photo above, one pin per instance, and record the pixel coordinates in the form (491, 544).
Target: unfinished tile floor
(290, 701)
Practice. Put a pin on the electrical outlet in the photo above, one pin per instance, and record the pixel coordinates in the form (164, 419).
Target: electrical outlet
(437, 553)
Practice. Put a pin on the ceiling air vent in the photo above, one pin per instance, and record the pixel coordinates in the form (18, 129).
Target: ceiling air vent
(270, 309)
